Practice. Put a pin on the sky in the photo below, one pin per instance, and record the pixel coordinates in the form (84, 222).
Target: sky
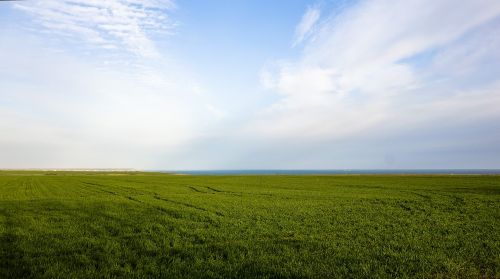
(177, 85)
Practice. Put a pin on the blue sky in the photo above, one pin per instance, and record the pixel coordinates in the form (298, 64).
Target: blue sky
(250, 84)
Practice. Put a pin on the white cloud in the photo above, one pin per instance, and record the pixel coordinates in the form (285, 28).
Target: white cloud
(306, 24)
(107, 24)
(358, 75)
(378, 83)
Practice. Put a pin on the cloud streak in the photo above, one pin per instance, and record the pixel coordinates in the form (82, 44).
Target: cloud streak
(368, 84)
(359, 71)
(306, 24)
(383, 79)
(108, 24)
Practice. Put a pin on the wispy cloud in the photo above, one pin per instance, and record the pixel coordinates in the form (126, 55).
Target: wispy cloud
(309, 19)
(360, 71)
(65, 108)
(60, 110)
(372, 84)
(109, 24)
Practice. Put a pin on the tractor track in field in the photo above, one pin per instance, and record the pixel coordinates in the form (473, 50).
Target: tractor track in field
(155, 196)
(158, 197)
(197, 190)
(239, 194)
(99, 189)
(214, 191)
(225, 192)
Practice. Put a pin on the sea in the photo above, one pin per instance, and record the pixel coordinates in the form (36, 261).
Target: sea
(333, 171)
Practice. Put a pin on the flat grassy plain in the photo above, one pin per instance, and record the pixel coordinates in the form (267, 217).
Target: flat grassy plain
(147, 225)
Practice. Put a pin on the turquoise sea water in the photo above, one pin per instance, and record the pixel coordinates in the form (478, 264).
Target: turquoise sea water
(326, 172)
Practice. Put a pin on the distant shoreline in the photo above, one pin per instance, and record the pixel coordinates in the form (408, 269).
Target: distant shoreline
(279, 171)
(74, 169)
(336, 172)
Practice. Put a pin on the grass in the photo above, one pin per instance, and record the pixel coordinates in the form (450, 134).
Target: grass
(143, 225)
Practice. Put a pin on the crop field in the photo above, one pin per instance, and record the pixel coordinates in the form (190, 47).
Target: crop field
(150, 225)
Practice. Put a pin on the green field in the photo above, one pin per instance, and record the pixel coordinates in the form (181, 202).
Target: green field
(68, 224)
